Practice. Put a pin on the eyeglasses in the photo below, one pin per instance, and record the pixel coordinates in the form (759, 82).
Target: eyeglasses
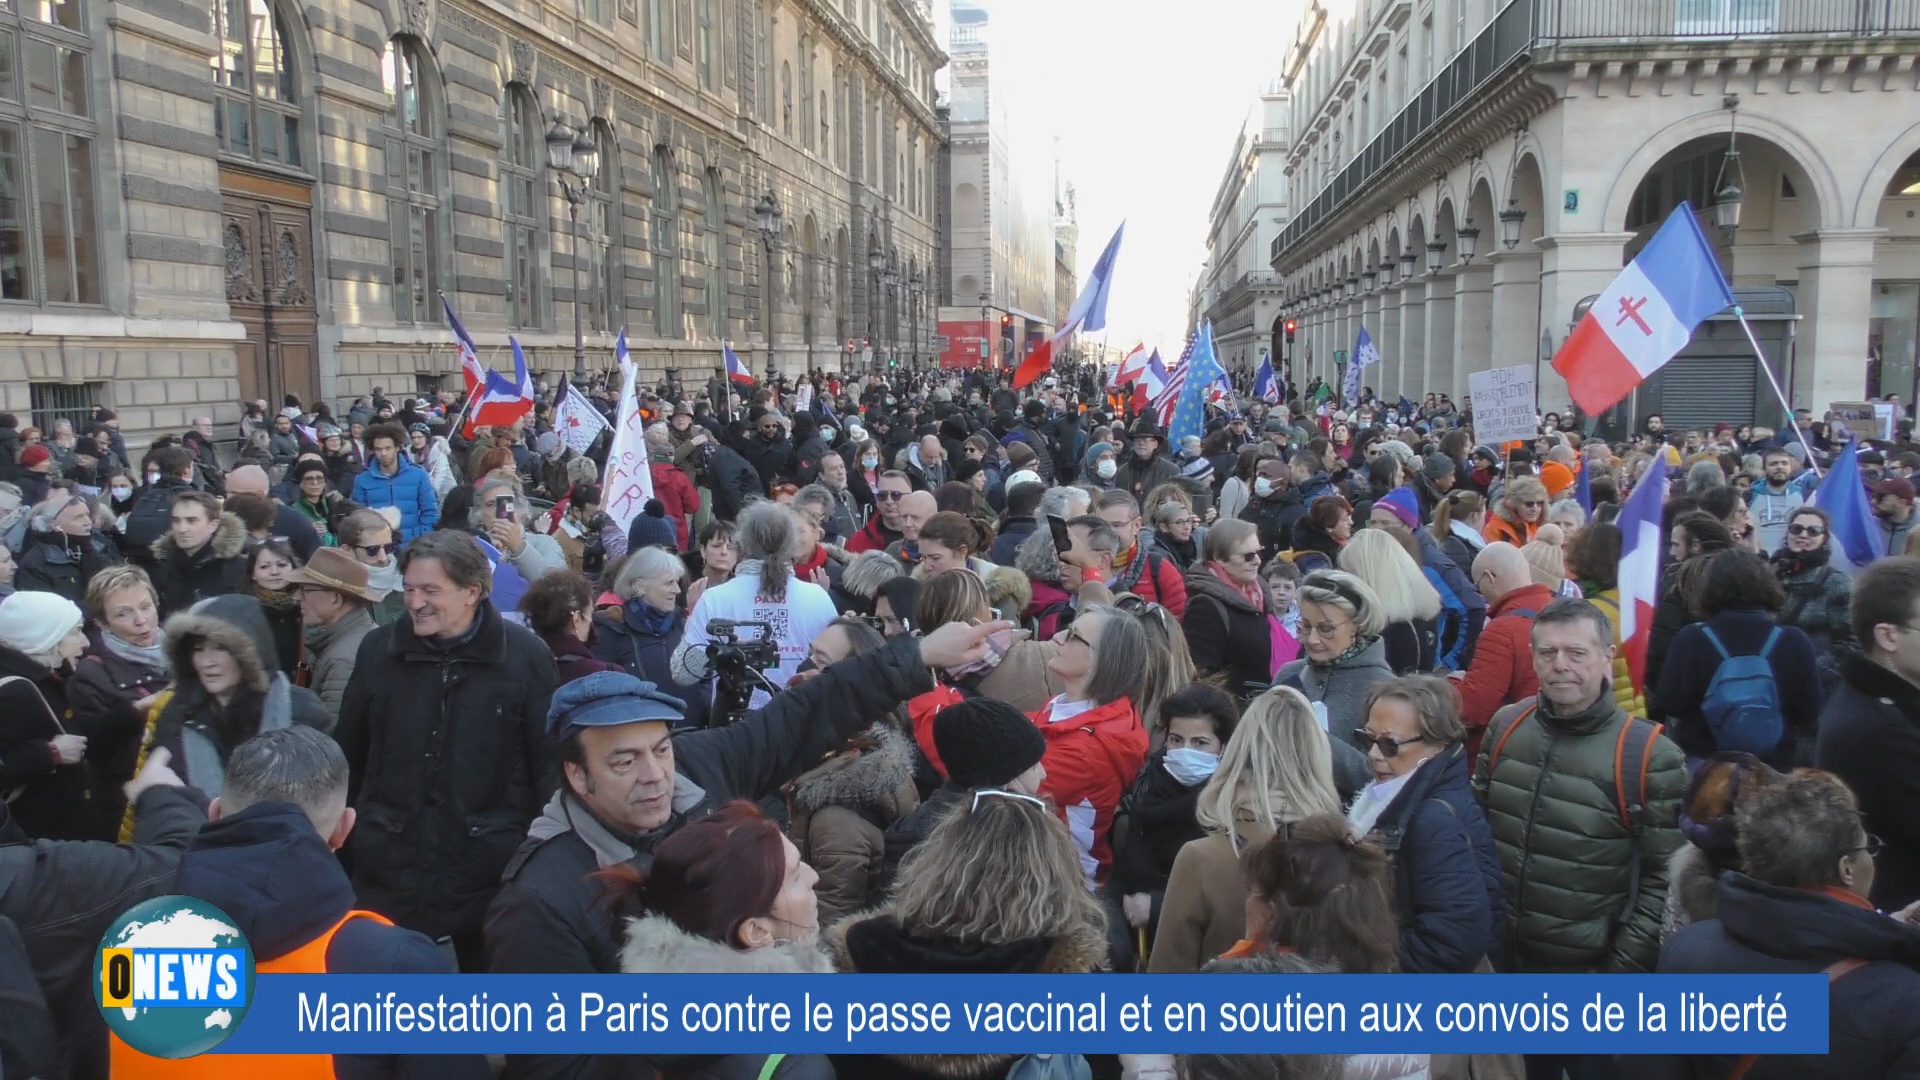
(1873, 846)
(1806, 530)
(1389, 746)
(1534, 504)
(373, 550)
(1323, 631)
(889, 496)
(1074, 635)
(1000, 793)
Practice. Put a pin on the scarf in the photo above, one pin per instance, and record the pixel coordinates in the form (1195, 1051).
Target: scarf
(281, 600)
(152, 657)
(1794, 562)
(385, 578)
(1360, 645)
(1251, 590)
(1374, 799)
(648, 619)
(804, 568)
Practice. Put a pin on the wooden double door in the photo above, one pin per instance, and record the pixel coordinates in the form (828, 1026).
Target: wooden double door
(267, 230)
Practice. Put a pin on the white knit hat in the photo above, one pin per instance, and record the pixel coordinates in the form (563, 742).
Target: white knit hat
(36, 622)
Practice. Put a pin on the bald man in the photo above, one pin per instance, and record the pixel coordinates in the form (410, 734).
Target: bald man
(927, 463)
(1502, 670)
(289, 525)
(915, 509)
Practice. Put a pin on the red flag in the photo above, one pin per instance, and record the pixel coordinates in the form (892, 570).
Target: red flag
(1037, 363)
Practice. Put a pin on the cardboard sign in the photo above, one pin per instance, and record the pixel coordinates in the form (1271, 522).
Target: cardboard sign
(1503, 401)
(1865, 419)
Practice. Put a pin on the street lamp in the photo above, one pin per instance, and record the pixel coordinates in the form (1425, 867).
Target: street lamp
(1468, 236)
(1510, 221)
(767, 212)
(916, 288)
(876, 262)
(1406, 263)
(891, 278)
(1353, 286)
(571, 154)
(1367, 277)
(1386, 273)
(1727, 194)
(1436, 251)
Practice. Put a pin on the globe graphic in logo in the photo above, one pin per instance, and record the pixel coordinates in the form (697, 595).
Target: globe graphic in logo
(173, 977)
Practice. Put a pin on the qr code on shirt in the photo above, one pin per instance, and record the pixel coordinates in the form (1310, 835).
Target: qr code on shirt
(778, 620)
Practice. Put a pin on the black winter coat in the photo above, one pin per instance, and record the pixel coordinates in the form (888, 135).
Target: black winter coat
(1225, 634)
(101, 693)
(1691, 662)
(1153, 822)
(150, 517)
(1870, 737)
(1873, 1018)
(1275, 517)
(771, 460)
(1448, 892)
(734, 482)
(219, 568)
(63, 896)
(52, 804)
(547, 917)
(450, 760)
(52, 563)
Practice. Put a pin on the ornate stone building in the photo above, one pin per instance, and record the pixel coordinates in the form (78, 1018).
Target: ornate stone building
(204, 203)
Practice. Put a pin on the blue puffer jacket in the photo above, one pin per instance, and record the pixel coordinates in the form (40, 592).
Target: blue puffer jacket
(1448, 890)
(410, 489)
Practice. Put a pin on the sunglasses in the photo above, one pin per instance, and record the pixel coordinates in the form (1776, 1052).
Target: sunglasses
(998, 793)
(1533, 504)
(1246, 557)
(1389, 746)
(1873, 846)
(1806, 530)
(889, 496)
(371, 550)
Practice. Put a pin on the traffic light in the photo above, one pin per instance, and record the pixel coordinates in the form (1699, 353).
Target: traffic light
(1006, 337)
(1291, 327)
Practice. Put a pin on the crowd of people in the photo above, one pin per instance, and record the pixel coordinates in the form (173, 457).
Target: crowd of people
(925, 675)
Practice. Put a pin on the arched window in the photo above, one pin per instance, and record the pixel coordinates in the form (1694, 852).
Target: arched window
(258, 112)
(603, 241)
(49, 232)
(520, 206)
(666, 246)
(413, 183)
(716, 242)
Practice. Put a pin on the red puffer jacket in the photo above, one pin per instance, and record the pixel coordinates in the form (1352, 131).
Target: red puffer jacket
(1092, 757)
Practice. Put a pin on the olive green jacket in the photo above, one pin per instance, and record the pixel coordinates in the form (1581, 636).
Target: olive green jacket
(1566, 855)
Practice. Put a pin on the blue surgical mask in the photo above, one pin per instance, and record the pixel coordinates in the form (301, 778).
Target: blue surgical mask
(1190, 766)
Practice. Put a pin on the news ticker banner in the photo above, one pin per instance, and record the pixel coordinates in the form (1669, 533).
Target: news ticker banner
(1022, 1014)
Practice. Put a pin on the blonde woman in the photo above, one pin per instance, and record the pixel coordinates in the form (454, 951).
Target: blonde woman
(1521, 511)
(1277, 768)
(1409, 603)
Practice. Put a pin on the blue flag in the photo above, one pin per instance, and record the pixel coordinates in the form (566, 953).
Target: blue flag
(1856, 532)
(1202, 369)
(1583, 488)
(1265, 386)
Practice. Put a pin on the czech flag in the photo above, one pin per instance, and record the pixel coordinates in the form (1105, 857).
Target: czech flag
(1645, 317)
(736, 370)
(1640, 555)
(500, 402)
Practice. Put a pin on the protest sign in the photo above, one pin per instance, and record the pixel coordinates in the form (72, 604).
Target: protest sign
(1503, 404)
(1862, 418)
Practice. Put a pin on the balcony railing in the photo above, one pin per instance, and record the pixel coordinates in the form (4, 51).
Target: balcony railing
(1525, 26)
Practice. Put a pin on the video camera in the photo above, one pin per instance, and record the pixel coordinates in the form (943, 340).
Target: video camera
(732, 656)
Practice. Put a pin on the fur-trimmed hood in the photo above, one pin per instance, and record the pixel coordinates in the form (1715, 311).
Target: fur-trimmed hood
(870, 769)
(1693, 884)
(1082, 950)
(229, 539)
(1036, 558)
(234, 622)
(656, 945)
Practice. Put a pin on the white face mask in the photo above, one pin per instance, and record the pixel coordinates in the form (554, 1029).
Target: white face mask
(1263, 487)
(1106, 469)
(1190, 766)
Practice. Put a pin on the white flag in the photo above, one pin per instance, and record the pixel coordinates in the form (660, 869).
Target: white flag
(629, 482)
(576, 421)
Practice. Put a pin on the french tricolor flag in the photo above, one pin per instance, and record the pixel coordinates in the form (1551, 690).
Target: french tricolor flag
(1645, 317)
(499, 402)
(736, 370)
(1641, 546)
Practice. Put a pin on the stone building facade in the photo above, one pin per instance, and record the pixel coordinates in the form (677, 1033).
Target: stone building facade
(1241, 295)
(204, 203)
(1466, 175)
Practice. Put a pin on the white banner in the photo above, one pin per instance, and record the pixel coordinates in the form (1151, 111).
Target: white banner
(576, 421)
(629, 483)
(1503, 404)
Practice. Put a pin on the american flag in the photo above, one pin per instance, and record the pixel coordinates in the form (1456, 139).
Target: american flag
(1169, 395)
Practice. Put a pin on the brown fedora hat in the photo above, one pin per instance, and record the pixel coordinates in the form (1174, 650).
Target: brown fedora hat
(331, 568)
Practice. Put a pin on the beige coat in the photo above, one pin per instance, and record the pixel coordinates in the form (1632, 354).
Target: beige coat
(1205, 910)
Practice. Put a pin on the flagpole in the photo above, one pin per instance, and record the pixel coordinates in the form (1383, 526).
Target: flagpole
(1760, 357)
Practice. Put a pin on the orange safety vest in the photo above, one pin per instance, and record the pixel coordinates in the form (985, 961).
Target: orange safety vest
(308, 959)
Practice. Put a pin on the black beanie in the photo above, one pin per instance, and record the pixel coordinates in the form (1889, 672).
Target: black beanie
(984, 742)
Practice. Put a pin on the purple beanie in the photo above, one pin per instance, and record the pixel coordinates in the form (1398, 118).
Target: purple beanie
(1404, 505)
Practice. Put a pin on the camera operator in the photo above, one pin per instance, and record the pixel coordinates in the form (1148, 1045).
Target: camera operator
(763, 590)
(629, 782)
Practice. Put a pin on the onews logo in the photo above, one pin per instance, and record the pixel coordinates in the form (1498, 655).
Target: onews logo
(173, 977)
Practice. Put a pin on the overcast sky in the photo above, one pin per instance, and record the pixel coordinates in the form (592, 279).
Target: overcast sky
(1146, 99)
